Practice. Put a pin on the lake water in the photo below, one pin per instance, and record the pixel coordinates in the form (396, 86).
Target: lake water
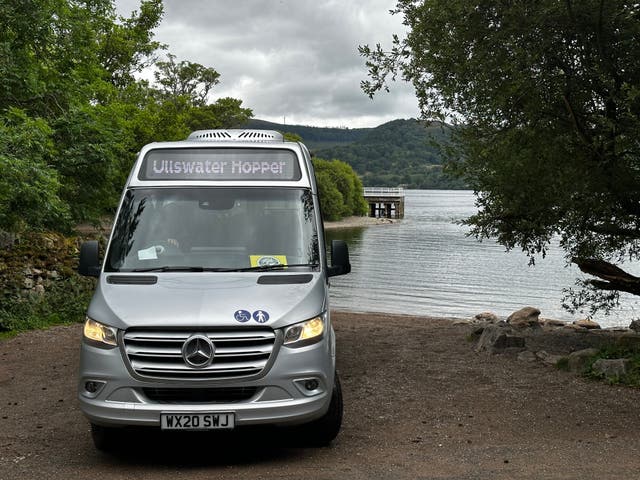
(426, 265)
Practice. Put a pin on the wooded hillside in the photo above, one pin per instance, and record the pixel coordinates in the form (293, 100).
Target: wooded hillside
(400, 152)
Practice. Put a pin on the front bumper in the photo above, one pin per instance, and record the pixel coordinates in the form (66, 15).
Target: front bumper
(281, 394)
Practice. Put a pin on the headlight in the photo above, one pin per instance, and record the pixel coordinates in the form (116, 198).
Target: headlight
(304, 333)
(100, 335)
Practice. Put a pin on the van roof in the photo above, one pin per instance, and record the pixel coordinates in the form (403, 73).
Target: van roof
(231, 157)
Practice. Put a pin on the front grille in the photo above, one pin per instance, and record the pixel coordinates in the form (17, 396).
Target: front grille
(238, 353)
(199, 395)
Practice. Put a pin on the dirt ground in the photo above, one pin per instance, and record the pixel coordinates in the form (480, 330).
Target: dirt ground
(419, 403)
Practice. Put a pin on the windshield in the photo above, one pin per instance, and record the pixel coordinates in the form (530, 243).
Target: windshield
(222, 229)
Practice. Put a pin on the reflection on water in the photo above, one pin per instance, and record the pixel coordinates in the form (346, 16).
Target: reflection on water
(426, 265)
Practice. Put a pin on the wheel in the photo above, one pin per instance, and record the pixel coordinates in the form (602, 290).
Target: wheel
(105, 439)
(322, 431)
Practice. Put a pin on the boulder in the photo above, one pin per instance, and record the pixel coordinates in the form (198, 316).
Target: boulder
(499, 338)
(578, 360)
(550, 322)
(635, 326)
(574, 327)
(588, 324)
(525, 317)
(549, 358)
(527, 356)
(488, 317)
(611, 369)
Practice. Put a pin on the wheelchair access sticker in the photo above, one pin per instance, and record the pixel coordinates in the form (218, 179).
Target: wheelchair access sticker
(267, 260)
(244, 316)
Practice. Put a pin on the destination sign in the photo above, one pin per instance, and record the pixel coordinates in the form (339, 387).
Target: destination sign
(220, 164)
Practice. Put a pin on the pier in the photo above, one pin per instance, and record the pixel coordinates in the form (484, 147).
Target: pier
(385, 202)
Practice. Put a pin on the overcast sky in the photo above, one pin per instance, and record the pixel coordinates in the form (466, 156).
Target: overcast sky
(293, 59)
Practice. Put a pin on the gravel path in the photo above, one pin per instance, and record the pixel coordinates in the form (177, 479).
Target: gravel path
(419, 403)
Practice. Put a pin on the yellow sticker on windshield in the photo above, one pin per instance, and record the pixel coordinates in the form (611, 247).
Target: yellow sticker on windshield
(267, 260)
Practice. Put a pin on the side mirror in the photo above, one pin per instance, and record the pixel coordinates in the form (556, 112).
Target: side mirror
(339, 259)
(89, 265)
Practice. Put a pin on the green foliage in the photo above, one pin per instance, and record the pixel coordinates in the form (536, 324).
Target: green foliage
(339, 188)
(401, 152)
(29, 186)
(72, 114)
(315, 138)
(185, 79)
(632, 377)
(64, 302)
(547, 100)
(291, 137)
(224, 113)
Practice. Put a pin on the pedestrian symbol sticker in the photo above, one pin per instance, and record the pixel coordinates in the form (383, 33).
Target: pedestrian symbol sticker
(242, 316)
(260, 316)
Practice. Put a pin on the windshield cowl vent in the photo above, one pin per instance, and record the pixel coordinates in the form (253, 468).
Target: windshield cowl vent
(236, 135)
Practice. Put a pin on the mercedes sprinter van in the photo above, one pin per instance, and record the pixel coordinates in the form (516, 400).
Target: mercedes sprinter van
(211, 309)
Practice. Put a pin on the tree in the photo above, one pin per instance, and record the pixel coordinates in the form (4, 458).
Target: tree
(188, 79)
(545, 96)
(29, 186)
(67, 71)
(339, 188)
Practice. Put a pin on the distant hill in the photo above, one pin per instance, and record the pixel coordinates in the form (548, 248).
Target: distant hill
(400, 152)
(315, 137)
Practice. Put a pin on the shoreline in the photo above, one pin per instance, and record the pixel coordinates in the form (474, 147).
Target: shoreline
(359, 222)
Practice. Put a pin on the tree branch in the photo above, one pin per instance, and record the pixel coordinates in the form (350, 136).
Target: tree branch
(614, 277)
(608, 229)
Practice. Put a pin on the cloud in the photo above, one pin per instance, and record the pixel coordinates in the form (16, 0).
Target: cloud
(289, 58)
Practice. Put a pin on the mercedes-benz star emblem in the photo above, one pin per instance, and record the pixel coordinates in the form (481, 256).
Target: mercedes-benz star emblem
(198, 351)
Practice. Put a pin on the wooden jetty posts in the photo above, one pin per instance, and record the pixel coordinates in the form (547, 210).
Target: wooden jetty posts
(385, 202)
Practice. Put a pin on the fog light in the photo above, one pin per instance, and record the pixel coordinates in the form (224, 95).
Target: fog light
(93, 387)
(311, 384)
(309, 387)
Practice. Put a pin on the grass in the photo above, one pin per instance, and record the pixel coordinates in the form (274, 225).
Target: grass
(631, 378)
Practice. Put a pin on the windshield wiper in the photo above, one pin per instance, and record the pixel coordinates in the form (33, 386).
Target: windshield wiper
(168, 268)
(259, 268)
(267, 268)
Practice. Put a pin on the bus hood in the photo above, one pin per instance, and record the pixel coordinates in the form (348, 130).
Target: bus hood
(199, 300)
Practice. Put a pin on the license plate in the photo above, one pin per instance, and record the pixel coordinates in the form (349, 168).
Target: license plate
(197, 421)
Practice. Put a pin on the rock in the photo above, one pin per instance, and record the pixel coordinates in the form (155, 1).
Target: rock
(498, 339)
(53, 275)
(611, 369)
(630, 341)
(39, 289)
(527, 356)
(635, 326)
(525, 317)
(550, 322)
(549, 358)
(28, 283)
(488, 317)
(578, 360)
(588, 324)
(476, 332)
(574, 327)
(461, 322)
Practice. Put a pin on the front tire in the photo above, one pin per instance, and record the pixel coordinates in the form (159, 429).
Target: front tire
(323, 431)
(105, 439)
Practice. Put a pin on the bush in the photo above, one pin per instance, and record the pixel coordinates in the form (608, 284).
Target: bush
(65, 301)
(339, 188)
